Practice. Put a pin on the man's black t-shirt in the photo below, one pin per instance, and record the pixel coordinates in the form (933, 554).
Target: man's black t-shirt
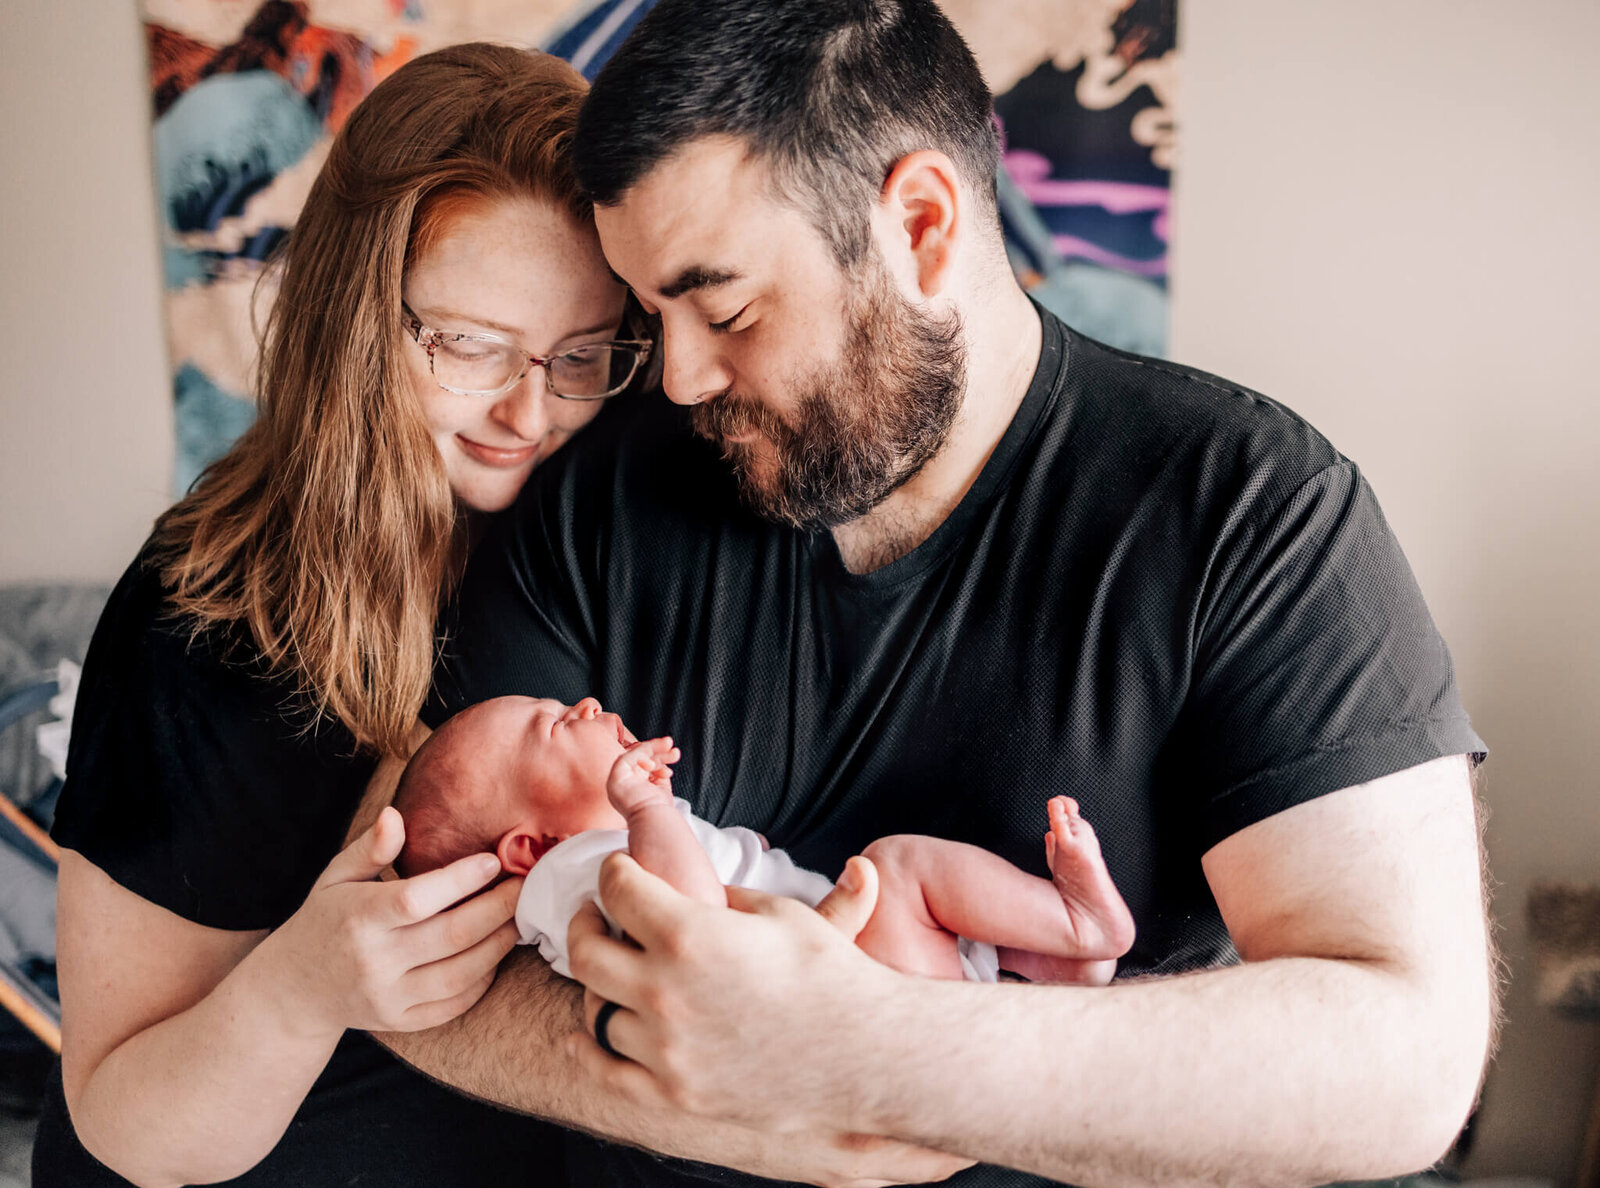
(1165, 596)
(194, 782)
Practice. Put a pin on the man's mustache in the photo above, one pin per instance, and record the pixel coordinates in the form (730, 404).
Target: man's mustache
(730, 415)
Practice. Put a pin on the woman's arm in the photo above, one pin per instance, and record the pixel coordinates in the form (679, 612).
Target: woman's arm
(187, 1050)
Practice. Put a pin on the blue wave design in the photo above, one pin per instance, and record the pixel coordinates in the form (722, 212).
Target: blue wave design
(593, 37)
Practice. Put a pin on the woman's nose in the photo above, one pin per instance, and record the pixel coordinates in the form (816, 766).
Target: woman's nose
(524, 408)
(694, 367)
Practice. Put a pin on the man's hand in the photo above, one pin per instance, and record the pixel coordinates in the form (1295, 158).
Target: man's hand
(690, 1043)
(713, 1057)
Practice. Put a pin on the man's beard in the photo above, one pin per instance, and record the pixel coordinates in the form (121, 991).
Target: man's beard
(861, 428)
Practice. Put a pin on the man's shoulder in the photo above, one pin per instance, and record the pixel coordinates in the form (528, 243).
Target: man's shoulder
(1147, 423)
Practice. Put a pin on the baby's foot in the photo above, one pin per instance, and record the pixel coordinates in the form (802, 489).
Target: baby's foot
(1100, 919)
(642, 775)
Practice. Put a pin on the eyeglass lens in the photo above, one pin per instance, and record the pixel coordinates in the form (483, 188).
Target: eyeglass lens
(472, 364)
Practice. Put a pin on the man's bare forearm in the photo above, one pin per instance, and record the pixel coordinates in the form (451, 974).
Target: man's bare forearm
(510, 1049)
(1348, 1045)
(1291, 1071)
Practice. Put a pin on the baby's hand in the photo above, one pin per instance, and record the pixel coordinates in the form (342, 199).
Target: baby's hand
(642, 775)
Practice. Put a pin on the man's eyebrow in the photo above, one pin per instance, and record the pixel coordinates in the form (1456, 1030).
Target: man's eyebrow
(697, 277)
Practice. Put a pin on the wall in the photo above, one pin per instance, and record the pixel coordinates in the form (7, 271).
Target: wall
(85, 406)
(1385, 219)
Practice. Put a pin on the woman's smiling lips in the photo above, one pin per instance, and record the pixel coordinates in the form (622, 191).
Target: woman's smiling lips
(499, 458)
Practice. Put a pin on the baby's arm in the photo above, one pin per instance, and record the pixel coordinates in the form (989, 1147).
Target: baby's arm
(1072, 929)
(660, 840)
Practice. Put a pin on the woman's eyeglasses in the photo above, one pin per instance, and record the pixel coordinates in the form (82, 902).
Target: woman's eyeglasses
(484, 365)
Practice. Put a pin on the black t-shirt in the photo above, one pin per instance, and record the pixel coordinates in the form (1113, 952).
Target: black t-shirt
(1164, 595)
(198, 782)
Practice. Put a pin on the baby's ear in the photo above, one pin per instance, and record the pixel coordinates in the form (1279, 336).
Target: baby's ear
(521, 846)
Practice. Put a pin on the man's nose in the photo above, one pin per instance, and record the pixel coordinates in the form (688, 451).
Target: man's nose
(694, 368)
(524, 408)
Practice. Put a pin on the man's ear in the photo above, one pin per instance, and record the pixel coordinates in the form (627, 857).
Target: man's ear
(921, 211)
(521, 846)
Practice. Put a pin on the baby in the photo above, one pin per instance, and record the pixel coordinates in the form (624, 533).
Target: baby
(553, 789)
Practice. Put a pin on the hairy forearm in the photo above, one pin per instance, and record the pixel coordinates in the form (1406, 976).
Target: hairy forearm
(511, 1049)
(508, 1049)
(1296, 1070)
(205, 1094)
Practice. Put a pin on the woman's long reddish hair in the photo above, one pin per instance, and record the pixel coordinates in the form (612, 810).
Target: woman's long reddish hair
(329, 530)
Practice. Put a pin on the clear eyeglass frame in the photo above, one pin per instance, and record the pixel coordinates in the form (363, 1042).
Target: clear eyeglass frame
(430, 339)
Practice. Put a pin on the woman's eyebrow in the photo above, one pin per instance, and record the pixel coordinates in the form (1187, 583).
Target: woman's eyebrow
(512, 332)
(432, 312)
(608, 324)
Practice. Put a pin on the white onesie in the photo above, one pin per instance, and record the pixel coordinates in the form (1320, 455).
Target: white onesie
(568, 876)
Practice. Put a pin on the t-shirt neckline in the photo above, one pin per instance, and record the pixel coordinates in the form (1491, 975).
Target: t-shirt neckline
(1048, 379)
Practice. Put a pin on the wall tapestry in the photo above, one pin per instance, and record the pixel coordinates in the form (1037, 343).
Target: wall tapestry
(246, 96)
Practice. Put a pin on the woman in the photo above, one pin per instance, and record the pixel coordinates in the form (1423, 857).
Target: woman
(444, 321)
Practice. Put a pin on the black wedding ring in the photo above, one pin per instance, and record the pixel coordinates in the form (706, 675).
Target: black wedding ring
(603, 1020)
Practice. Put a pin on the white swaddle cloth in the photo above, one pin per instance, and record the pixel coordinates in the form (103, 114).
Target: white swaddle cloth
(568, 876)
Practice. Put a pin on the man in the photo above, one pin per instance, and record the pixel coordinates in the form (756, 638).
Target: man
(908, 542)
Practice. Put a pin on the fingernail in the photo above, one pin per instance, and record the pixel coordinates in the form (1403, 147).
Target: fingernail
(488, 865)
(850, 880)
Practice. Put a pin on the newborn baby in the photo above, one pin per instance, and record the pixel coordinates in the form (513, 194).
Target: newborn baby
(553, 789)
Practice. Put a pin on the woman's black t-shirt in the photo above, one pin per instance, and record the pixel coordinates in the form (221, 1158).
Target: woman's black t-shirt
(197, 780)
(193, 778)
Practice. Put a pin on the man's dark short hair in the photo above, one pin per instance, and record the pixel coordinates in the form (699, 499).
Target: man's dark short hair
(830, 93)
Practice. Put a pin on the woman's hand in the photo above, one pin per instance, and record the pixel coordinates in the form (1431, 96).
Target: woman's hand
(396, 955)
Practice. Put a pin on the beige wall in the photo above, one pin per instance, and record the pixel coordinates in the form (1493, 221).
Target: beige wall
(85, 412)
(1385, 219)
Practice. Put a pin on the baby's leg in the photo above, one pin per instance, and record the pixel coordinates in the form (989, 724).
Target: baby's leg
(1072, 929)
(660, 840)
(902, 932)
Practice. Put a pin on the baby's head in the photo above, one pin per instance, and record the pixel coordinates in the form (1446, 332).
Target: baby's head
(514, 775)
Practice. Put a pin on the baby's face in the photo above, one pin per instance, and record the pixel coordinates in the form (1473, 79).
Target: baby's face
(559, 758)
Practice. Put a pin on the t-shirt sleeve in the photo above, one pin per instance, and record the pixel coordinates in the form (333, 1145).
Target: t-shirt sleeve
(1317, 665)
(191, 782)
